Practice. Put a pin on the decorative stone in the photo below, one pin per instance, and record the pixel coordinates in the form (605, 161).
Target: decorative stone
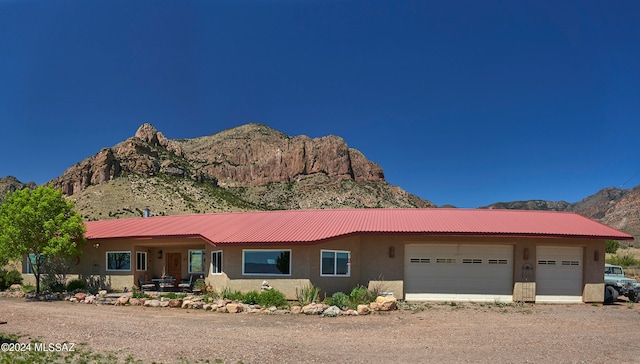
(164, 303)
(90, 299)
(332, 311)
(363, 310)
(234, 307)
(186, 304)
(135, 302)
(175, 303)
(384, 303)
(152, 303)
(197, 305)
(122, 300)
(102, 293)
(314, 309)
(15, 287)
(207, 307)
(73, 299)
(296, 309)
(80, 296)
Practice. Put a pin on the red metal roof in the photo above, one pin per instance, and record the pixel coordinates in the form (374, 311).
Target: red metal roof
(309, 226)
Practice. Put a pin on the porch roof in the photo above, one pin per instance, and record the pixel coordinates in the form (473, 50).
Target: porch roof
(309, 226)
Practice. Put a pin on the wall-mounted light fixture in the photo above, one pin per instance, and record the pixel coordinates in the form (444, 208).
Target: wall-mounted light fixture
(96, 245)
(160, 254)
(525, 254)
(392, 252)
(596, 255)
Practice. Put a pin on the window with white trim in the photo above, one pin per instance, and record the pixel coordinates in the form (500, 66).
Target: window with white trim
(119, 261)
(335, 263)
(196, 261)
(216, 262)
(26, 266)
(141, 261)
(266, 262)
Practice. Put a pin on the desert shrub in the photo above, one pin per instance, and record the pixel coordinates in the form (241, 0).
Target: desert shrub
(231, 295)
(250, 298)
(612, 246)
(360, 296)
(272, 297)
(76, 285)
(339, 299)
(626, 260)
(307, 294)
(9, 277)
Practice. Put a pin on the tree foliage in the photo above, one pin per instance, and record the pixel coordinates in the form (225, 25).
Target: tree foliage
(40, 223)
(612, 246)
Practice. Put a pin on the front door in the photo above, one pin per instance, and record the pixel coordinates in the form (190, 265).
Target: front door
(174, 265)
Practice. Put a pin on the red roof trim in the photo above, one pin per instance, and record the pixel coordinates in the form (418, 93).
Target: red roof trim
(315, 226)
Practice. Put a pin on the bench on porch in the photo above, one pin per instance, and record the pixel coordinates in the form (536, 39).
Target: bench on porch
(145, 285)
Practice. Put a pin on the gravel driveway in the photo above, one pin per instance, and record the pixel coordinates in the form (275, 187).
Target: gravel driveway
(438, 333)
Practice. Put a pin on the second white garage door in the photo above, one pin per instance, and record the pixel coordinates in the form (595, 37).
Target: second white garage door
(559, 274)
(458, 272)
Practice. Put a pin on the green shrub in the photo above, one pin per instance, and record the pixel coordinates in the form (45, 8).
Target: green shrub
(612, 246)
(625, 261)
(172, 295)
(231, 295)
(360, 296)
(338, 299)
(76, 285)
(9, 277)
(307, 294)
(250, 298)
(272, 297)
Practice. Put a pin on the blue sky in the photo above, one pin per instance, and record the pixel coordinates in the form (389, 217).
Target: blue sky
(460, 102)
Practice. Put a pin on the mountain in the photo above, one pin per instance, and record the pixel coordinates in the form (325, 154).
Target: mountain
(618, 208)
(11, 184)
(251, 167)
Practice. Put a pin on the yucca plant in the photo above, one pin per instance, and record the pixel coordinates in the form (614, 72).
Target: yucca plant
(307, 294)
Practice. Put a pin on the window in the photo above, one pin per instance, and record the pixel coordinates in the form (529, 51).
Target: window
(216, 262)
(420, 260)
(141, 261)
(446, 260)
(27, 266)
(266, 262)
(196, 261)
(335, 263)
(119, 261)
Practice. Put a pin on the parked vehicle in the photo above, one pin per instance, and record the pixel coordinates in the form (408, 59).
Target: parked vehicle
(616, 284)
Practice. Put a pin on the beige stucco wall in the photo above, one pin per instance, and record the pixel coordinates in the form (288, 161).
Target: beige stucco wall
(377, 261)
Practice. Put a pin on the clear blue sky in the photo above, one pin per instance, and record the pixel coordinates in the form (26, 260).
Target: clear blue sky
(460, 102)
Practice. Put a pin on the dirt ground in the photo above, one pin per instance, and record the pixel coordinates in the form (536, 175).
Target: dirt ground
(464, 333)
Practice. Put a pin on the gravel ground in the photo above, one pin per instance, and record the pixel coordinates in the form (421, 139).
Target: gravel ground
(463, 333)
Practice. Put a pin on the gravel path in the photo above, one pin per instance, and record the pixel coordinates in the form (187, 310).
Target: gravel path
(463, 333)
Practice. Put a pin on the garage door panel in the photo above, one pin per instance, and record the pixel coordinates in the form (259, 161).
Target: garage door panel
(559, 274)
(459, 271)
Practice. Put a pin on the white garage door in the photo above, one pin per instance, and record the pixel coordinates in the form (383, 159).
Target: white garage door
(454, 272)
(559, 274)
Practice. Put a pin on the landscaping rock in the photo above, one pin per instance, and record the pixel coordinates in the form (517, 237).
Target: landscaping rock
(332, 311)
(175, 303)
(186, 303)
(234, 307)
(135, 302)
(102, 293)
(384, 303)
(122, 300)
(164, 303)
(314, 309)
(90, 299)
(152, 303)
(207, 307)
(80, 296)
(197, 305)
(363, 310)
(15, 287)
(296, 309)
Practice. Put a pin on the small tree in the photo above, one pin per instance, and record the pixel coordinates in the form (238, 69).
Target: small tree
(612, 246)
(41, 225)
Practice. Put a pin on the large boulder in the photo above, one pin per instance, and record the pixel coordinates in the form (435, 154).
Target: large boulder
(384, 303)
